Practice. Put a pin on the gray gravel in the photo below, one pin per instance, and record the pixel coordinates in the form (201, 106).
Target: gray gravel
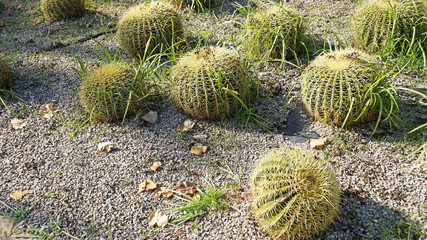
(98, 192)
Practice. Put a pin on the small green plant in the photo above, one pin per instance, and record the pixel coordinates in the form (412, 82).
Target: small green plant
(344, 87)
(201, 83)
(148, 28)
(56, 10)
(201, 5)
(295, 194)
(112, 92)
(274, 32)
(5, 73)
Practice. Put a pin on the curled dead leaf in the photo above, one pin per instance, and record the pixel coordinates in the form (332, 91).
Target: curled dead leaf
(2, 24)
(318, 143)
(47, 111)
(106, 147)
(198, 150)
(18, 194)
(18, 124)
(187, 187)
(165, 192)
(147, 185)
(158, 218)
(155, 165)
(187, 126)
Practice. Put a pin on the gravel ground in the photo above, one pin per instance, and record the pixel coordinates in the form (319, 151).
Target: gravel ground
(98, 192)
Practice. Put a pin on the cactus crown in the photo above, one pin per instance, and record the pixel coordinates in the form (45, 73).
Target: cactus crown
(274, 32)
(5, 73)
(376, 22)
(335, 86)
(112, 92)
(198, 80)
(55, 10)
(295, 194)
(150, 28)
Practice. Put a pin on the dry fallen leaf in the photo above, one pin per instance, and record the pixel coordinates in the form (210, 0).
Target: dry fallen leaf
(165, 192)
(150, 117)
(47, 111)
(6, 13)
(191, 172)
(147, 185)
(19, 194)
(157, 218)
(198, 150)
(187, 187)
(2, 24)
(18, 124)
(106, 147)
(187, 126)
(155, 165)
(318, 143)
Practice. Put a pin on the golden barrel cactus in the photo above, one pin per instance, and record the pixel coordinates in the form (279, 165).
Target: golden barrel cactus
(56, 10)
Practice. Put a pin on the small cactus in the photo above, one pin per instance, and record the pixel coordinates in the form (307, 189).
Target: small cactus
(150, 28)
(274, 32)
(5, 73)
(112, 92)
(376, 22)
(336, 85)
(56, 10)
(295, 194)
(198, 80)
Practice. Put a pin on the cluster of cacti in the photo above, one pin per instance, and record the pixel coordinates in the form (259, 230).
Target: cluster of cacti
(150, 28)
(336, 86)
(274, 32)
(198, 81)
(56, 10)
(112, 92)
(295, 194)
(5, 74)
(377, 22)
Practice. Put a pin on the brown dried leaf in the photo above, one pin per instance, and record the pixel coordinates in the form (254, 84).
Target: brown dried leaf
(6, 13)
(18, 124)
(187, 126)
(318, 143)
(147, 185)
(106, 147)
(2, 24)
(155, 165)
(18, 194)
(187, 187)
(165, 192)
(198, 150)
(47, 111)
(158, 218)
(191, 172)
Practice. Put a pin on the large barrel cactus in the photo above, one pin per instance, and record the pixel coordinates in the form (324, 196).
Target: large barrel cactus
(55, 10)
(112, 92)
(5, 73)
(150, 28)
(377, 22)
(337, 87)
(295, 194)
(274, 32)
(198, 81)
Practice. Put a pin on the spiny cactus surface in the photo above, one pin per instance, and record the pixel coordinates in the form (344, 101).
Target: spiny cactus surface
(5, 74)
(55, 10)
(376, 22)
(336, 84)
(150, 28)
(112, 91)
(274, 32)
(198, 80)
(295, 194)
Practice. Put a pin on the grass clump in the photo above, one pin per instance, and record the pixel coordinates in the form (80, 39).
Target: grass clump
(274, 32)
(112, 92)
(202, 82)
(295, 194)
(5, 73)
(149, 28)
(56, 10)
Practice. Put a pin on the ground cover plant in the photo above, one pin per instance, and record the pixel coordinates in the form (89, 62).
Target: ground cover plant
(143, 176)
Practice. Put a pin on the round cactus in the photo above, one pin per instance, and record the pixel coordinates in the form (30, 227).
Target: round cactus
(150, 28)
(112, 92)
(55, 10)
(274, 32)
(336, 86)
(198, 82)
(295, 194)
(376, 22)
(5, 74)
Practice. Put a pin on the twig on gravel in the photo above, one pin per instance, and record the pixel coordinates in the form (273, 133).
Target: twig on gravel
(95, 35)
